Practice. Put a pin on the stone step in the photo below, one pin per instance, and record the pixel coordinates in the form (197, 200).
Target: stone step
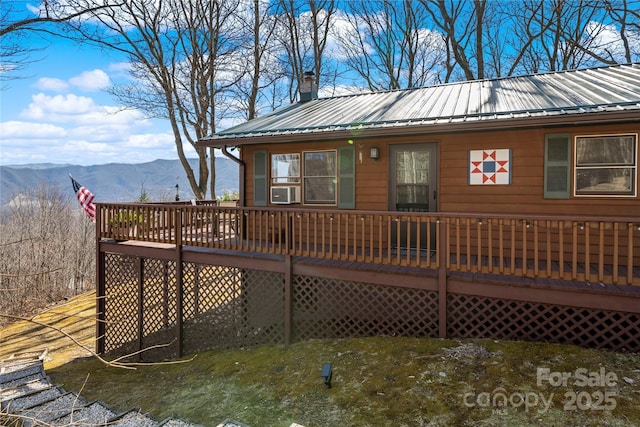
(52, 409)
(133, 418)
(95, 413)
(177, 422)
(30, 400)
(14, 369)
(19, 381)
(231, 423)
(26, 388)
(38, 353)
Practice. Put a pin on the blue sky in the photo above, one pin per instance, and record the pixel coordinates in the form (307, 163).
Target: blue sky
(60, 112)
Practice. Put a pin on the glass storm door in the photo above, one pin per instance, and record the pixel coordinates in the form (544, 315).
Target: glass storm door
(413, 186)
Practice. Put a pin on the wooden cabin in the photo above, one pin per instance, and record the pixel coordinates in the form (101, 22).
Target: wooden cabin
(427, 211)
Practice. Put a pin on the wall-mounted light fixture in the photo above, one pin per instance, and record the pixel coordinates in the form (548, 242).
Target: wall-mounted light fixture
(374, 153)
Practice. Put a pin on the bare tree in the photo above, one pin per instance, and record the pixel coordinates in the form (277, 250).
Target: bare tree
(387, 44)
(183, 57)
(304, 33)
(625, 23)
(16, 20)
(463, 25)
(258, 88)
(553, 35)
(46, 250)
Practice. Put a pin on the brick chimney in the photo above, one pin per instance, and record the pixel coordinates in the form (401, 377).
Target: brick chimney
(308, 88)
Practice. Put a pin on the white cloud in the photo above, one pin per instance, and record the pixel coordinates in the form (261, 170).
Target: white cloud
(91, 80)
(59, 108)
(606, 41)
(120, 69)
(80, 110)
(51, 84)
(26, 130)
(87, 81)
(76, 129)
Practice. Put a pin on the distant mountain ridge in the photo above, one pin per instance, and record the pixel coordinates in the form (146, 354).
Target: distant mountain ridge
(115, 182)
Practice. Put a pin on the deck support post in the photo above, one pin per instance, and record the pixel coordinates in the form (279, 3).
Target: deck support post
(179, 283)
(100, 300)
(288, 275)
(140, 268)
(442, 279)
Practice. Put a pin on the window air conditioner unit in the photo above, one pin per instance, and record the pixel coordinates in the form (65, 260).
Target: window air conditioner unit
(285, 195)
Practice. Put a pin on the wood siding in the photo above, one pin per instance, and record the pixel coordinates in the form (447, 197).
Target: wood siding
(524, 196)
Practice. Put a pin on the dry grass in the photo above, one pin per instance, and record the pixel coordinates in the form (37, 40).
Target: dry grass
(377, 381)
(75, 317)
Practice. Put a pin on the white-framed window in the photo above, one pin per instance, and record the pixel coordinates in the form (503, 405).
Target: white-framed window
(320, 176)
(285, 168)
(606, 165)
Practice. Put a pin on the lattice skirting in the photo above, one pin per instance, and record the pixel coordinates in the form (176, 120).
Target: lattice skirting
(225, 307)
(329, 308)
(469, 316)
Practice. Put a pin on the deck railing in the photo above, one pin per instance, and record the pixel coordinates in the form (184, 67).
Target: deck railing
(590, 249)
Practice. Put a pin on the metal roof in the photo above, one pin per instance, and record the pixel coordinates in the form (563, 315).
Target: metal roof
(566, 93)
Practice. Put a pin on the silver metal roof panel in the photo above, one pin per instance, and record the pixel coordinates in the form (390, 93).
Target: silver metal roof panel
(604, 89)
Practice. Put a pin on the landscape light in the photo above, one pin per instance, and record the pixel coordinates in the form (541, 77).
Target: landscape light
(327, 374)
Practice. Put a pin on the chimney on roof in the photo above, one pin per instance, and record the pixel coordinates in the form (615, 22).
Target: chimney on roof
(308, 88)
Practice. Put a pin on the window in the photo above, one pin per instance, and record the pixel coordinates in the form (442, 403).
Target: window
(320, 168)
(606, 165)
(285, 168)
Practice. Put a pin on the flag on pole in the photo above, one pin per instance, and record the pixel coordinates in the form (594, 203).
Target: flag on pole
(85, 197)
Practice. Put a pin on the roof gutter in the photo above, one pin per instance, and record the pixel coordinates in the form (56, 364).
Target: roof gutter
(241, 172)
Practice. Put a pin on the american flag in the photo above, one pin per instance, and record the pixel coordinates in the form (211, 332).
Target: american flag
(85, 197)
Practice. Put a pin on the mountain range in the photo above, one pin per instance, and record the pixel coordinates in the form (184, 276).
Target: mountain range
(115, 182)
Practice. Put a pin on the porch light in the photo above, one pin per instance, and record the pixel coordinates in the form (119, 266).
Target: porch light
(327, 374)
(374, 153)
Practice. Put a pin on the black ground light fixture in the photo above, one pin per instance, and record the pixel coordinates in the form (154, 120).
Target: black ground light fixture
(326, 374)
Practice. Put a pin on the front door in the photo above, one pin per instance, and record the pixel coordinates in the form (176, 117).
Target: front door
(413, 185)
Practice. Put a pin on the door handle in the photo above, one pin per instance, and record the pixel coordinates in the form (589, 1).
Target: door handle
(435, 194)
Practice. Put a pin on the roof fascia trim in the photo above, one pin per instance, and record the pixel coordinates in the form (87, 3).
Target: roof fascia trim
(609, 117)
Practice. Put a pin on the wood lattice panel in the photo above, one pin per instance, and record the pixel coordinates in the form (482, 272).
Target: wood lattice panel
(159, 316)
(159, 292)
(326, 308)
(212, 305)
(474, 317)
(225, 307)
(121, 301)
(262, 311)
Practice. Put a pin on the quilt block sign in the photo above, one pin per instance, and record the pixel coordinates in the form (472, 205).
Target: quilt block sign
(490, 167)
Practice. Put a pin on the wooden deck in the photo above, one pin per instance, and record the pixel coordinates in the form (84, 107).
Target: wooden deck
(594, 250)
(299, 275)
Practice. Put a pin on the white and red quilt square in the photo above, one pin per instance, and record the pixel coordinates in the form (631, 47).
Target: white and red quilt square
(490, 167)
